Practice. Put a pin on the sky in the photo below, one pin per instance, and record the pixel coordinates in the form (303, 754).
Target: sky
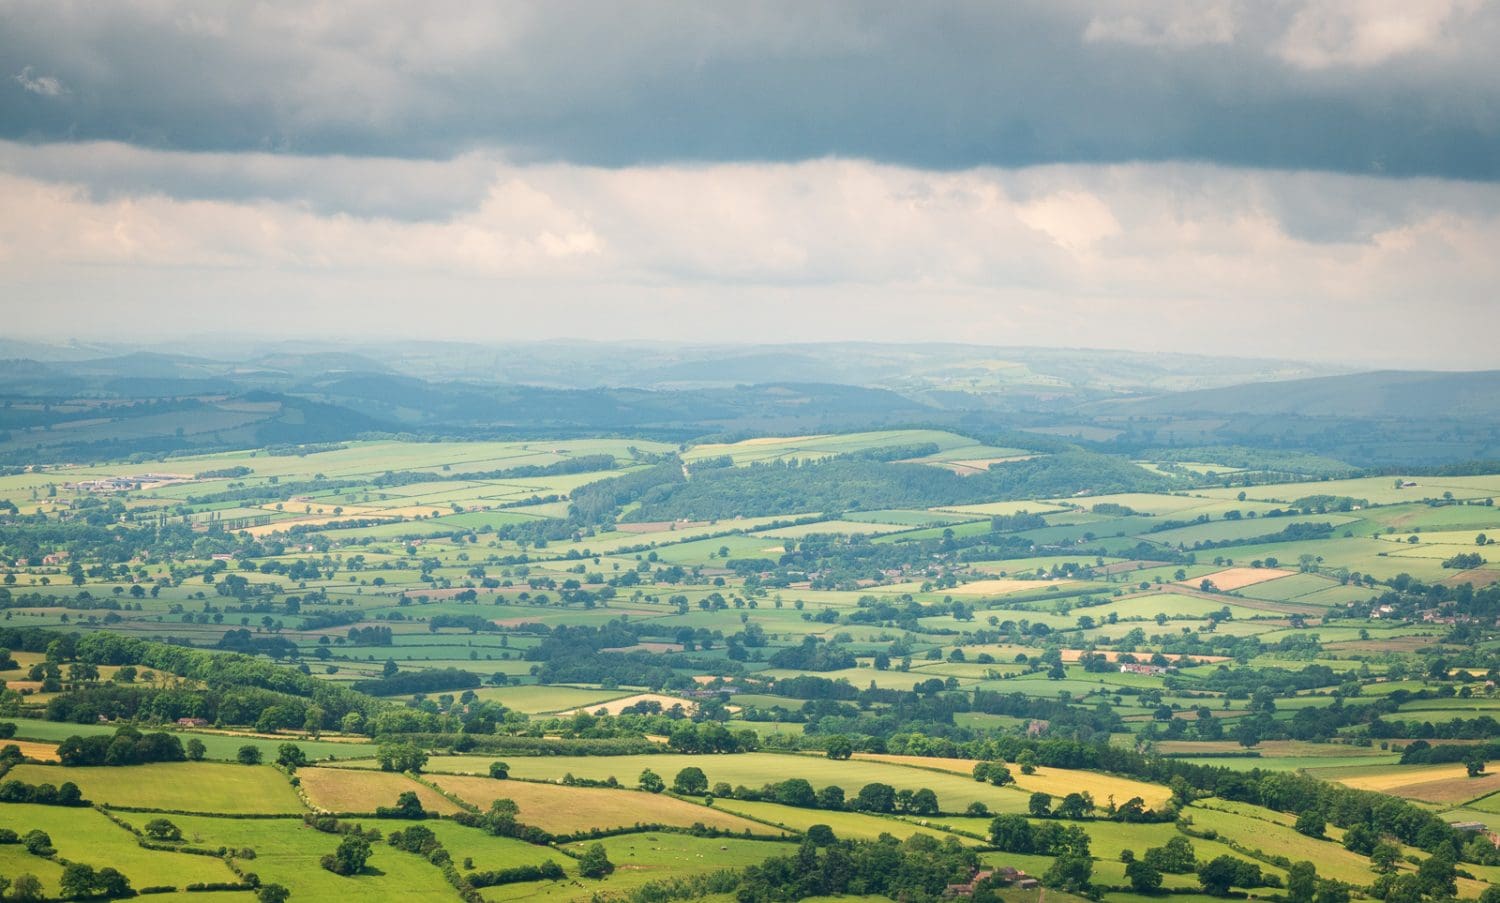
(1316, 180)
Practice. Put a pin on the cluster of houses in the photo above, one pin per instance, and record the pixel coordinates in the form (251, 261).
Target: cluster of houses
(1008, 876)
(1138, 668)
(126, 484)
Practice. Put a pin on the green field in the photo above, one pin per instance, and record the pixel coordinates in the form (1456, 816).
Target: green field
(183, 786)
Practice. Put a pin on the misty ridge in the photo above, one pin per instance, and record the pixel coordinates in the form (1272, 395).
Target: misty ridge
(80, 401)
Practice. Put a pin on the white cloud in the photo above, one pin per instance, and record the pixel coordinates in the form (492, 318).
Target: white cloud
(45, 85)
(1185, 23)
(1163, 256)
(1366, 33)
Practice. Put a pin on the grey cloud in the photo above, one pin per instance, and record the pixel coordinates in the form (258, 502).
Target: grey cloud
(362, 186)
(934, 85)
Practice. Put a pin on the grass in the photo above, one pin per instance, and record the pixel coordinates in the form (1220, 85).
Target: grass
(221, 746)
(559, 809)
(287, 853)
(847, 825)
(182, 786)
(15, 861)
(347, 790)
(1276, 839)
(489, 852)
(84, 835)
(534, 699)
(657, 856)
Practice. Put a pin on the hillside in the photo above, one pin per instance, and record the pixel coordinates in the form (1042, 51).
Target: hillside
(1379, 394)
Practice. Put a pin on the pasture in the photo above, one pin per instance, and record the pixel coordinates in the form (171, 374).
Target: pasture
(179, 786)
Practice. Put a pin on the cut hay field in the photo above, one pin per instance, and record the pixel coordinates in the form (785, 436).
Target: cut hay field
(180, 786)
(31, 749)
(614, 706)
(847, 825)
(1231, 579)
(348, 790)
(1448, 784)
(954, 791)
(560, 809)
(1057, 781)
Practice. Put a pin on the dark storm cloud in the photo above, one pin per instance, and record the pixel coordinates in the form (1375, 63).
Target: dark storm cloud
(1356, 86)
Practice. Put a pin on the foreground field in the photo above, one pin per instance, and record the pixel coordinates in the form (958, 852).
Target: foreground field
(183, 786)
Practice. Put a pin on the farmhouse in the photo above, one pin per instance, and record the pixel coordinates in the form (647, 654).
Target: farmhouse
(1137, 668)
(192, 722)
(967, 889)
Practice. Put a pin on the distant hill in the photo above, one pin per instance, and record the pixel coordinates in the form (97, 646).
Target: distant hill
(1379, 394)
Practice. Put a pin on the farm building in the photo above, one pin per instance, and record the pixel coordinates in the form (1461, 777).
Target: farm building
(967, 889)
(1137, 668)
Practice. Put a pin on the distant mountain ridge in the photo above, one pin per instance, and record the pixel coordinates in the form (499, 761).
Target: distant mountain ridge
(1377, 394)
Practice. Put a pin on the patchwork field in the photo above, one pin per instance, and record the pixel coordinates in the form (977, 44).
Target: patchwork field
(346, 790)
(560, 809)
(178, 786)
(514, 598)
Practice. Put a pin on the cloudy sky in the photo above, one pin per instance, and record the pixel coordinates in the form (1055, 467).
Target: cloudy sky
(1301, 179)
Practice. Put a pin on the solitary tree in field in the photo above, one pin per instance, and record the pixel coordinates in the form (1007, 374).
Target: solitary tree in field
(594, 863)
(350, 857)
(651, 782)
(162, 829)
(248, 755)
(839, 747)
(689, 781)
(1474, 764)
(291, 757)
